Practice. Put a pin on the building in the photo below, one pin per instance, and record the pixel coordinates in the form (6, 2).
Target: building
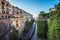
(5, 18)
(26, 15)
(52, 9)
(16, 20)
(13, 16)
(5, 11)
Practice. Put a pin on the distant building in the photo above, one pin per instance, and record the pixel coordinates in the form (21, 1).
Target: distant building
(52, 9)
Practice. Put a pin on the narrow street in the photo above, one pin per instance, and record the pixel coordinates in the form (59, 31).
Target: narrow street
(34, 37)
(32, 32)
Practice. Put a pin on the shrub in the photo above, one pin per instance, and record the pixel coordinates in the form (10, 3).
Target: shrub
(27, 25)
(12, 35)
(54, 25)
(42, 28)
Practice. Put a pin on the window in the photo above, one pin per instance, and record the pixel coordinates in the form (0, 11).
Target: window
(3, 7)
(7, 8)
(9, 24)
(7, 4)
(21, 12)
(2, 17)
(2, 3)
(16, 23)
(3, 11)
(7, 12)
(6, 16)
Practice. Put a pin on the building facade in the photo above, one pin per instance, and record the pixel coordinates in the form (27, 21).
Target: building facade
(14, 16)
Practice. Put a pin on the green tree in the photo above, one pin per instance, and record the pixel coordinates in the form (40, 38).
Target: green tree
(54, 24)
(41, 13)
(42, 28)
(12, 35)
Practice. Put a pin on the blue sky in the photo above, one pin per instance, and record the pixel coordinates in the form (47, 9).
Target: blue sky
(34, 6)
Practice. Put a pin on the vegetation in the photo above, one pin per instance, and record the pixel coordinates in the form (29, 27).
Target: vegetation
(41, 13)
(54, 24)
(28, 24)
(12, 35)
(42, 28)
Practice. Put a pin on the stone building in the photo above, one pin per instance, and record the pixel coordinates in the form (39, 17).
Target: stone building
(5, 11)
(13, 16)
(5, 18)
(17, 20)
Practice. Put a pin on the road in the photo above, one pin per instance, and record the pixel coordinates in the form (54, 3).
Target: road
(34, 37)
(32, 32)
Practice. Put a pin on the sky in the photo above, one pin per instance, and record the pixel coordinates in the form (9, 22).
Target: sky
(34, 6)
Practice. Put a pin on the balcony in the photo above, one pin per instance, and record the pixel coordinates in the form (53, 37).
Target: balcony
(3, 3)
(3, 11)
(3, 7)
(7, 8)
(7, 4)
(7, 12)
